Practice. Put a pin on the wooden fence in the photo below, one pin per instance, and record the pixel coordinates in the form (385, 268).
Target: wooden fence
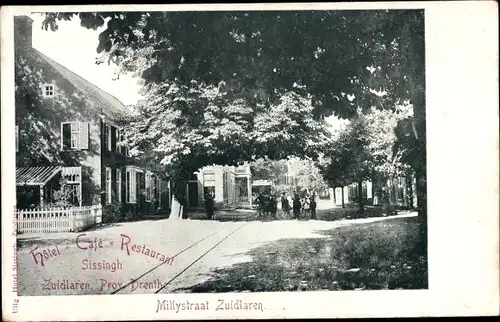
(54, 220)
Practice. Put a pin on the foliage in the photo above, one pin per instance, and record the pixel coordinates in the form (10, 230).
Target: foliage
(263, 52)
(113, 213)
(229, 86)
(265, 169)
(309, 177)
(367, 148)
(61, 196)
(305, 174)
(370, 256)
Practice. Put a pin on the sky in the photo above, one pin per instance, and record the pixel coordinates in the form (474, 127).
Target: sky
(75, 48)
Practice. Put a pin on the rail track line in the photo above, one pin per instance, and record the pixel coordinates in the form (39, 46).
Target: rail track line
(197, 259)
(186, 268)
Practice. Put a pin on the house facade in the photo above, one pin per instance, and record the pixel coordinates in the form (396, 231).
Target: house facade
(401, 192)
(230, 186)
(68, 139)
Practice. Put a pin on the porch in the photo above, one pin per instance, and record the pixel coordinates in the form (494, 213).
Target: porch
(42, 186)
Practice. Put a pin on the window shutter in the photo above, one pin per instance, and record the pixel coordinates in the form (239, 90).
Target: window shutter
(84, 129)
(122, 148)
(114, 138)
(127, 186)
(17, 138)
(118, 139)
(66, 136)
(133, 187)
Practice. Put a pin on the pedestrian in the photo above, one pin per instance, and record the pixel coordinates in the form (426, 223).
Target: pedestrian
(209, 206)
(259, 201)
(285, 205)
(313, 207)
(273, 206)
(306, 205)
(296, 206)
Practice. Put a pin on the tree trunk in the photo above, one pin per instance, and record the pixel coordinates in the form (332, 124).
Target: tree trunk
(360, 197)
(179, 204)
(334, 196)
(416, 52)
(409, 184)
(343, 204)
(422, 207)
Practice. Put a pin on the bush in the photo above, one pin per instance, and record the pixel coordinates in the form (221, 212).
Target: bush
(131, 215)
(219, 205)
(113, 213)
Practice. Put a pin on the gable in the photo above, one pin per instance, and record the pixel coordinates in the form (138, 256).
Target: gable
(39, 118)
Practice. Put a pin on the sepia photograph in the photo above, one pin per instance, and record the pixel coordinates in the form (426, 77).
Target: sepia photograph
(219, 152)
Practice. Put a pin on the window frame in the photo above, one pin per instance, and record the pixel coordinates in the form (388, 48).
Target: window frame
(109, 131)
(119, 185)
(109, 185)
(131, 186)
(74, 135)
(48, 92)
(147, 186)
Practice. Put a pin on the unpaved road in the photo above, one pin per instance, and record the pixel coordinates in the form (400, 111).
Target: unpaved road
(149, 256)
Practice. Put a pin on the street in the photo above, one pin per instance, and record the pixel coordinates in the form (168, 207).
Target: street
(162, 256)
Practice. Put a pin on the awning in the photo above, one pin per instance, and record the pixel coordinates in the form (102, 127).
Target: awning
(135, 168)
(35, 176)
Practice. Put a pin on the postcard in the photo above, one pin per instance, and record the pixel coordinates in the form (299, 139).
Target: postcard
(250, 161)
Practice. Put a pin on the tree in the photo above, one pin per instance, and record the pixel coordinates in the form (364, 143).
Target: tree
(262, 56)
(184, 128)
(265, 169)
(262, 52)
(309, 176)
(366, 148)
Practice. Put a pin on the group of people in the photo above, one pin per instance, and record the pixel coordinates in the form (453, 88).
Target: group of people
(267, 204)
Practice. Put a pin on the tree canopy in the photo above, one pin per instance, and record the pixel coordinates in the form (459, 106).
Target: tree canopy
(368, 148)
(342, 57)
(223, 87)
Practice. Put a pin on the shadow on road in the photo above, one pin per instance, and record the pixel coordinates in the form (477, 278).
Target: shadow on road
(329, 214)
(370, 256)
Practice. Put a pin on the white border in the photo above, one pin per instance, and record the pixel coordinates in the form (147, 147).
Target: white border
(462, 132)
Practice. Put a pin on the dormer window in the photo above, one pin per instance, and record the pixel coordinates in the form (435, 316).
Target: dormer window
(48, 90)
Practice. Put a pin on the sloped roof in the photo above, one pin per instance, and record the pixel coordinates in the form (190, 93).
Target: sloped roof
(110, 103)
(35, 176)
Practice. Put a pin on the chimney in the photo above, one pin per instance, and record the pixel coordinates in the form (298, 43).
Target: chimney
(23, 26)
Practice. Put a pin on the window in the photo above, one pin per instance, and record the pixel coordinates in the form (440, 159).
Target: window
(158, 191)
(225, 188)
(119, 184)
(72, 193)
(130, 182)
(108, 185)
(107, 136)
(48, 90)
(209, 184)
(148, 186)
(17, 138)
(120, 148)
(72, 184)
(75, 136)
(118, 140)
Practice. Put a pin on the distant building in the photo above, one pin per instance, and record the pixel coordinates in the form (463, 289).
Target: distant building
(67, 139)
(230, 186)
